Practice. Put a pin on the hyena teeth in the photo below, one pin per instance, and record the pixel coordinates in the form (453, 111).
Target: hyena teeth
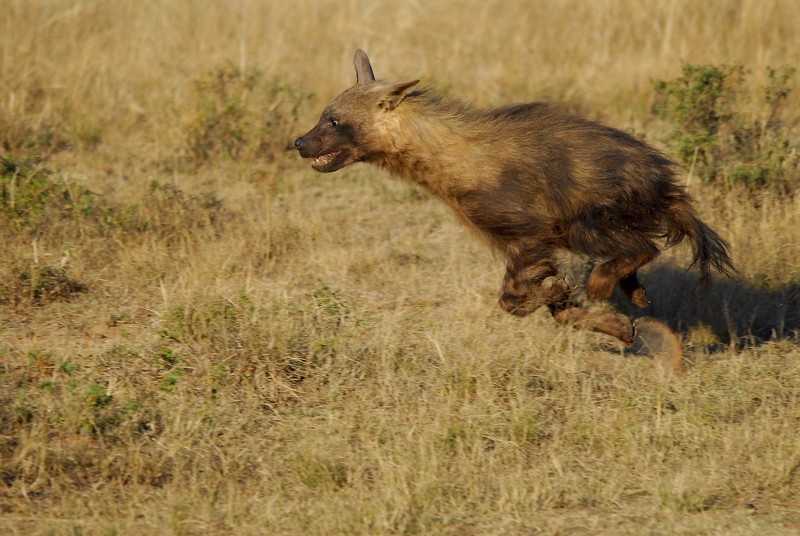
(326, 158)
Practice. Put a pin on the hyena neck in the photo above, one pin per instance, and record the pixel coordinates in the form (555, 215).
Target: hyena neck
(426, 141)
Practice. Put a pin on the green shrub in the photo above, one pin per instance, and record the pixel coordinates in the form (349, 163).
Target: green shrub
(718, 139)
(33, 197)
(26, 191)
(239, 116)
(36, 200)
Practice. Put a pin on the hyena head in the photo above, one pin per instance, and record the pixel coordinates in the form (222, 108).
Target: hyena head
(348, 130)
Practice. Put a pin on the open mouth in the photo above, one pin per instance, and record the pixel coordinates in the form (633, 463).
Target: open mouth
(331, 161)
(324, 160)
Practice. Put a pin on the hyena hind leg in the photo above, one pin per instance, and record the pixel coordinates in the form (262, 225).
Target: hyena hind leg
(620, 270)
(634, 290)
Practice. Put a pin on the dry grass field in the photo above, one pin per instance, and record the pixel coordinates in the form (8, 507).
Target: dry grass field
(200, 335)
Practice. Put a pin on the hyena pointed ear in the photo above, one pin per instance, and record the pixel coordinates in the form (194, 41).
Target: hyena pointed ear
(364, 73)
(395, 94)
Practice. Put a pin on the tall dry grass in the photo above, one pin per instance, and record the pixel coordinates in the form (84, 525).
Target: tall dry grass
(205, 343)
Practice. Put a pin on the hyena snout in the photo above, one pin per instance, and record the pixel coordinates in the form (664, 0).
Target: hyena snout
(313, 143)
(308, 145)
(327, 153)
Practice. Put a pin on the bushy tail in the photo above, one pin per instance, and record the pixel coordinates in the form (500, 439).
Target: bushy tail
(710, 249)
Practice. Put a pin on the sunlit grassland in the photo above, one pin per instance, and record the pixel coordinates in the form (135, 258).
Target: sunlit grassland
(200, 335)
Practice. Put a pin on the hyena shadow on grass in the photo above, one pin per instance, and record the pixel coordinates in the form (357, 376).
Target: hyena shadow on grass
(739, 312)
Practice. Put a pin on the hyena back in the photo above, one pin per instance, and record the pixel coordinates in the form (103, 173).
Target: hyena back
(532, 179)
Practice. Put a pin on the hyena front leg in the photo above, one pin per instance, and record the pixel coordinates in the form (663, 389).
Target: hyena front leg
(608, 322)
(532, 280)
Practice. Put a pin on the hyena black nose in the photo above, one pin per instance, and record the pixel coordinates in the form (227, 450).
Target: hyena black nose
(298, 143)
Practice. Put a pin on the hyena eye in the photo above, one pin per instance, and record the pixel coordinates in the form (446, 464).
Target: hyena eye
(334, 122)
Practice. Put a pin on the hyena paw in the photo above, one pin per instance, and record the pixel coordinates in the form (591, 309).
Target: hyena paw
(639, 298)
(608, 322)
(558, 288)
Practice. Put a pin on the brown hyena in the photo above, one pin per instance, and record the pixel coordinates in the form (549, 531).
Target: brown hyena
(531, 178)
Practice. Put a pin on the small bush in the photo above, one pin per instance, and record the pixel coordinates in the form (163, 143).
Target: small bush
(38, 119)
(238, 116)
(718, 139)
(26, 192)
(28, 133)
(29, 283)
(34, 198)
(167, 211)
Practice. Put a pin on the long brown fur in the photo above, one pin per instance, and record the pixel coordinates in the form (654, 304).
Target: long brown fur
(531, 178)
